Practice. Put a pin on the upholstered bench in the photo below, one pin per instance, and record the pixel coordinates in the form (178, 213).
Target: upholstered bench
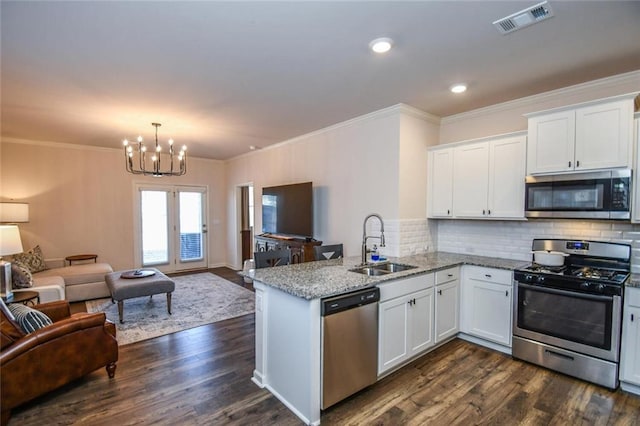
(126, 285)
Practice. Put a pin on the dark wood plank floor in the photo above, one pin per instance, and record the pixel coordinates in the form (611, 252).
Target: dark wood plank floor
(202, 376)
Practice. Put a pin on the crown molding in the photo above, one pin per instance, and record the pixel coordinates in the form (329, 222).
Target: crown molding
(381, 113)
(630, 77)
(62, 145)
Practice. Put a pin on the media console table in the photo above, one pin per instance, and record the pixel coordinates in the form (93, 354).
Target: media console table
(301, 248)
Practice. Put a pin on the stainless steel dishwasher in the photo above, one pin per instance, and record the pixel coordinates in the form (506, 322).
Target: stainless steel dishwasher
(350, 344)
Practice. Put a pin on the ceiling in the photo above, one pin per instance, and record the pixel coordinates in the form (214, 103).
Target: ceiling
(222, 76)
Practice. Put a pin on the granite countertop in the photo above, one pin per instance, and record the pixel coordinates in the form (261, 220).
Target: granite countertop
(312, 280)
(633, 281)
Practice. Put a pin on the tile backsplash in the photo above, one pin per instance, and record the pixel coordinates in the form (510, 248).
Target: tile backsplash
(512, 239)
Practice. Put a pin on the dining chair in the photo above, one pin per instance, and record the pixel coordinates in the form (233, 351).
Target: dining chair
(266, 259)
(330, 251)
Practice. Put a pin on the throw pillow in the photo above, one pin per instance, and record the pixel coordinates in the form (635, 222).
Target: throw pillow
(32, 259)
(20, 276)
(28, 318)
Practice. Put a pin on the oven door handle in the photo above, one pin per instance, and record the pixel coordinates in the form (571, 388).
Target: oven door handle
(565, 292)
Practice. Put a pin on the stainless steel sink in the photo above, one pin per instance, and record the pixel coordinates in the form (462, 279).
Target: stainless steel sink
(382, 269)
(393, 267)
(372, 272)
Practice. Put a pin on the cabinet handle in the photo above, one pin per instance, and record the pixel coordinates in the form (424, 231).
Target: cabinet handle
(631, 317)
(578, 163)
(448, 211)
(487, 275)
(440, 293)
(482, 212)
(449, 275)
(489, 212)
(506, 293)
(569, 163)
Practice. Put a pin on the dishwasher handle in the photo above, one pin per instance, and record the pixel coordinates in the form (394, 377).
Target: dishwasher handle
(336, 304)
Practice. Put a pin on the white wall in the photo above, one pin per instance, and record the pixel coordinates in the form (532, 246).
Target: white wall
(81, 199)
(355, 170)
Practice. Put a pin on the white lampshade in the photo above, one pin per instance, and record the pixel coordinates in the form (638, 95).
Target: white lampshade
(10, 240)
(14, 212)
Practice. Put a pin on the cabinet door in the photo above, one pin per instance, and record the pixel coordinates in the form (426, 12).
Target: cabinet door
(420, 321)
(392, 332)
(440, 196)
(471, 180)
(630, 347)
(447, 308)
(603, 135)
(630, 355)
(489, 315)
(506, 177)
(551, 142)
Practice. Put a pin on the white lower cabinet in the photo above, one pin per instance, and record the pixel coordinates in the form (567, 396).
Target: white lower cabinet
(447, 304)
(630, 352)
(405, 321)
(487, 303)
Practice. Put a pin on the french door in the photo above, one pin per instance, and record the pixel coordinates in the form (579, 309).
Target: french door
(170, 227)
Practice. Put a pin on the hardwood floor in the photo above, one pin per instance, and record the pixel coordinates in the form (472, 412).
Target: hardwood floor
(202, 376)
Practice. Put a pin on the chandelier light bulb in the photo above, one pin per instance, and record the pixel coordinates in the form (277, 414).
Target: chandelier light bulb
(125, 142)
(129, 149)
(139, 139)
(158, 148)
(184, 148)
(143, 149)
(170, 141)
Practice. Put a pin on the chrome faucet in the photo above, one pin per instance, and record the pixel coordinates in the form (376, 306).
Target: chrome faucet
(365, 236)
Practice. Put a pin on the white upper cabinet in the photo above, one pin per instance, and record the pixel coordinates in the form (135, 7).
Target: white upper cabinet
(584, 137)
(471, 180)
(440, 187)
(488, 179)
(551, 142)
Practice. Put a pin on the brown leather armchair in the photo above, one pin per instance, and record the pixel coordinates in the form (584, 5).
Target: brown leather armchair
(36, 363)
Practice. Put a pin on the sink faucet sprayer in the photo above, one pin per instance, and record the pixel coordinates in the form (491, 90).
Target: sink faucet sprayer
(365, 236)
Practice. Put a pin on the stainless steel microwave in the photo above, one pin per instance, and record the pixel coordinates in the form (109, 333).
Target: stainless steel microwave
(594, 195)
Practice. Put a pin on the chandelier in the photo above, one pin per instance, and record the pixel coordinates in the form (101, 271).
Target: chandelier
(142, 166)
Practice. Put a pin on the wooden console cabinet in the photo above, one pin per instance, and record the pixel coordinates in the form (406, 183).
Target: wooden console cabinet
(301, 249)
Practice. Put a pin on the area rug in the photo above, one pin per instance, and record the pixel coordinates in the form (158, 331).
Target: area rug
(197, 300)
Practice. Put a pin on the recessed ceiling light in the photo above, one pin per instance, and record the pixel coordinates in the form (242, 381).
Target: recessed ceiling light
(381, 45)
(458, 88)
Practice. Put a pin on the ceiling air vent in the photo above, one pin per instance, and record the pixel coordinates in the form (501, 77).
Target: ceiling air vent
(524, 18)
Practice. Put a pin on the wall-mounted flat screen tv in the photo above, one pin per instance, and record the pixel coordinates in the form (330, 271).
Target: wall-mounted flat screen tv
(288, 210)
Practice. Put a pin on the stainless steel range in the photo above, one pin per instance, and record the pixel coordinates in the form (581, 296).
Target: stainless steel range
(568, 318)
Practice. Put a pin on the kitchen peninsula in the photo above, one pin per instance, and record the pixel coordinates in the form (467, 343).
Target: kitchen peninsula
(289, 323)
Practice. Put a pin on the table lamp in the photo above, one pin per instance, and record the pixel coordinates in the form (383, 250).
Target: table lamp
(9, 244)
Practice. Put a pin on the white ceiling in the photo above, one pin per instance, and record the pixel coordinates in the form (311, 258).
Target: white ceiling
(221, 76)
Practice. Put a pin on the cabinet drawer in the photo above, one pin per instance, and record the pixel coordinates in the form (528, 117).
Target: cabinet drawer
(498, 276)
(633, 297)
(401, 287)
(447, 275)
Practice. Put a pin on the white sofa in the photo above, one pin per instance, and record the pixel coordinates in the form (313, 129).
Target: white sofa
(74, 283)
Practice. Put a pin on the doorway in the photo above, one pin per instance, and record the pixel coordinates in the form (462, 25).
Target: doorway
(171, 227)
(245, 221)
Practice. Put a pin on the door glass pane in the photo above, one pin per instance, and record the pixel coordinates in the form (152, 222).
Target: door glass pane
(190, 226)
(155, 239)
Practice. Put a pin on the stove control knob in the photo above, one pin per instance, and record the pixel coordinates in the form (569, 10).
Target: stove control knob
(540, 279)
(528, 278)
(600, 288)
(585, 285)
